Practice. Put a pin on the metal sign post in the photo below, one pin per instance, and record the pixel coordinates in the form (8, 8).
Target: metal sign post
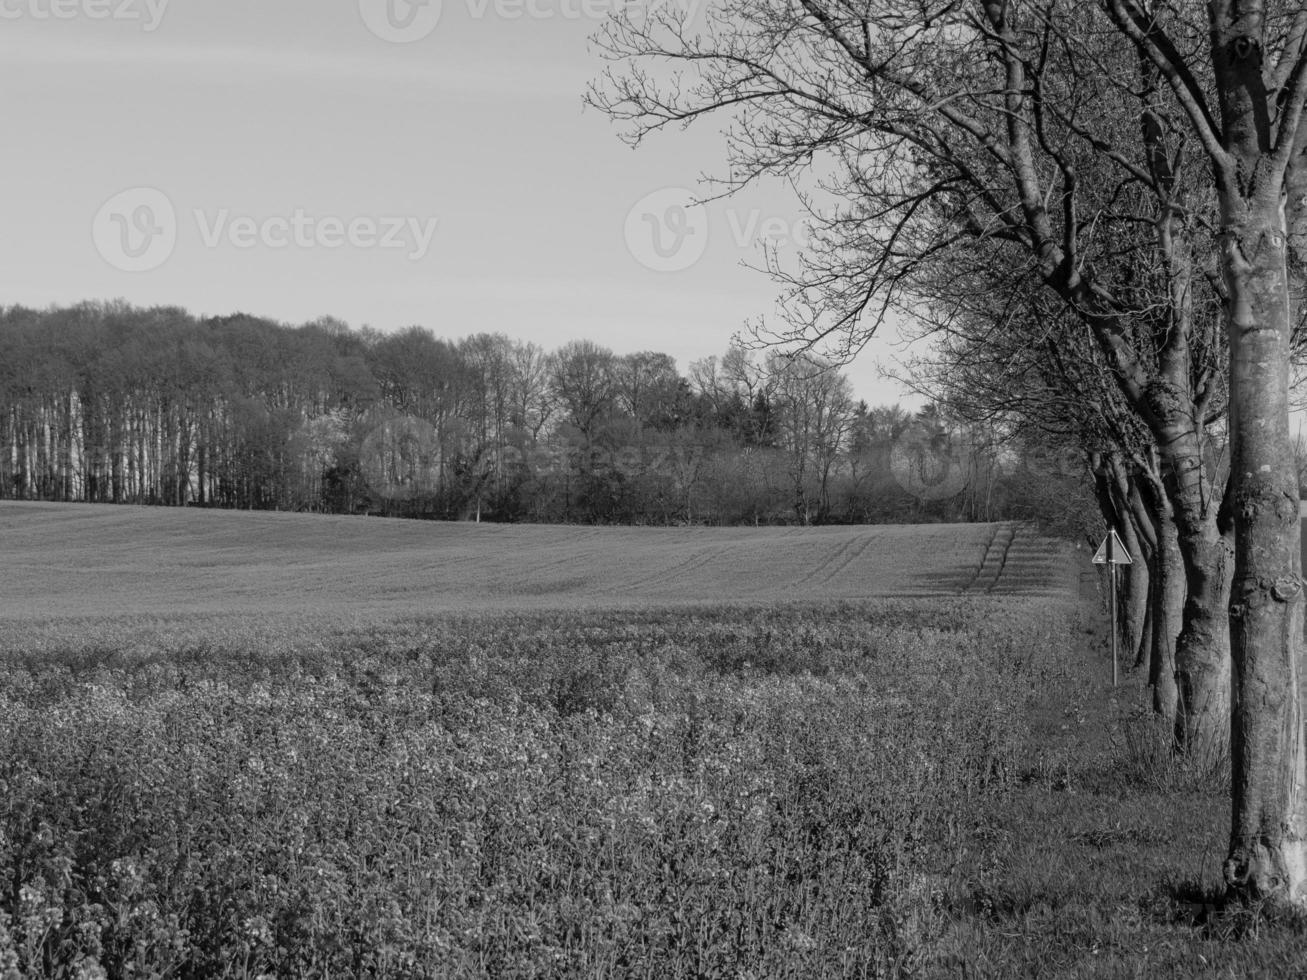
(1112, 565)
(1112, 553)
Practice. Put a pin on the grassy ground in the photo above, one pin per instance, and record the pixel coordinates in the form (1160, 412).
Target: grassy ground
(1103, 858)
(939, 786)
(70, 560)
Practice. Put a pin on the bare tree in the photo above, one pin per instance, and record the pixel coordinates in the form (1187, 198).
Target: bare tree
(815, 414)
(584, 382)
(1009, 359)
(648, 387)
(930, 137)
(934, 125)
(1256, 63)
(532, 398)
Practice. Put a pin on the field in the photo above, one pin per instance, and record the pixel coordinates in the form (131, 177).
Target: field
(227, 749)
(71, 560)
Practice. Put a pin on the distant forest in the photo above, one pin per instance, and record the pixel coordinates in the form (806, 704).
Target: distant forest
(115, 404)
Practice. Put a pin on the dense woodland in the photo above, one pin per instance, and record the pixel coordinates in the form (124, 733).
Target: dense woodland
(114, 404)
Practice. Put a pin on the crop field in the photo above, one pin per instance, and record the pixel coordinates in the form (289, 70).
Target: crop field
(888, 752)
(85, 560)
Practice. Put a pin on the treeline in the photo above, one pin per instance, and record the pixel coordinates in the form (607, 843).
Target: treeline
(111, 403)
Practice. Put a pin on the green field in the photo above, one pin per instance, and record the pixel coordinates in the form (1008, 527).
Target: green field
(85, 560)
(278, 745)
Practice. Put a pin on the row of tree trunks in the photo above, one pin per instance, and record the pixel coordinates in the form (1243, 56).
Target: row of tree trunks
(1202, 648)
(1155, 586)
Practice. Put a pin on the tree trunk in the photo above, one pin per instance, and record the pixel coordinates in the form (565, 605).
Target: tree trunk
(1122, 504)
(1145, 526)
(1202, 650)
(1135, 586)
(1136, 599)
(1168, 583)
(1256, 164)
(1144, 652)
(1268, 833)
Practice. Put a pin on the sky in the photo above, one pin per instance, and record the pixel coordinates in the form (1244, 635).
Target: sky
(383, 162)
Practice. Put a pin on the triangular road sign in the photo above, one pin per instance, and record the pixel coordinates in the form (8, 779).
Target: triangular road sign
(1112, 551)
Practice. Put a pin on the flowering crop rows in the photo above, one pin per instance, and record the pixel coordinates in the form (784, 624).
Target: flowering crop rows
(720, 793)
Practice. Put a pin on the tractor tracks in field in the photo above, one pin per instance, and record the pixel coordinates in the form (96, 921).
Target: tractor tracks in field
(669, 573)
(990, 571)
(847, 554)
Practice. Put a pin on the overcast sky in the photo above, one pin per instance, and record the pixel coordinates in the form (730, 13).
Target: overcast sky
(384, 163)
